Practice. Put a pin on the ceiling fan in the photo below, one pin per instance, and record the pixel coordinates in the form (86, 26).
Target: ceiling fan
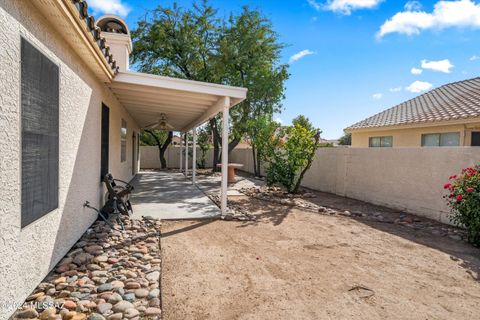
(160, 124)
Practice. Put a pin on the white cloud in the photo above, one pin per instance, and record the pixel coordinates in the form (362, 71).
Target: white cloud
(299, 55)
(314, 4)
(278, 120)
(474, 58)
(377, 96)
(413, 6)
(109, 6)
(416, 71)
(419, 86)
(444, 66)
(347, 6)
(461, 13)
(396, 89)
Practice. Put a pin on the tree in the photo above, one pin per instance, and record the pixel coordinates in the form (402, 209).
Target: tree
(346, 139)
(262, 131)
(204, 145)
(288, 162)
(159, 138)
(195, 44)
(303, 122)
(249, 54)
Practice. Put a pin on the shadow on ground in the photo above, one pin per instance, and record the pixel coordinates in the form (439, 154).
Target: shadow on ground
(465, 254)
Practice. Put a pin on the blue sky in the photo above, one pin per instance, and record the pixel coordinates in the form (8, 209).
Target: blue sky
(350, 59)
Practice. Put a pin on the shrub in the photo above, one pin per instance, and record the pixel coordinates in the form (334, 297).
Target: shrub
(288, 162)
(464, 201)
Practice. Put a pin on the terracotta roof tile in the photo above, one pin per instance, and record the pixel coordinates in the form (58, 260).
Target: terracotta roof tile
(457, 100)
(82, 7)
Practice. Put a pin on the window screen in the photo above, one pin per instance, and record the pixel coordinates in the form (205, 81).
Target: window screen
(39, 107)
(449, 139)
(123, 141)
(376, 142)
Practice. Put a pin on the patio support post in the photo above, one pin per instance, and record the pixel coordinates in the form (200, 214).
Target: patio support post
(194, 155)
(225, 128)
(186, 154)
(181, 152)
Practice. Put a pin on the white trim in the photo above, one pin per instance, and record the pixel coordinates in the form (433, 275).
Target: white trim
(224, 188)
(194, 157)
(186, 154)
(179, 84)
(181, 153)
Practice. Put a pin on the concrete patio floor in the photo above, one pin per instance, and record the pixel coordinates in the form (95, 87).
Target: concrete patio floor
(168, 195)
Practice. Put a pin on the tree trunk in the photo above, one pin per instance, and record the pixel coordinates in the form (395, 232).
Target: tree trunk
(163, 161)
(254, 161)
(258, 164)
(162, 147)
(216, 144)
(309, 164)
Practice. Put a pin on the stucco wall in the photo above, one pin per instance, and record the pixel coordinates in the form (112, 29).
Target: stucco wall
(27, 255)
(149, 157)
(408, 179)
(410, 137)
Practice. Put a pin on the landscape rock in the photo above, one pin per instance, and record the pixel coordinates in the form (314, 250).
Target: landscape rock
(96, 316)
(131, 313)
(103, 308)
(27, 314)
(109, 274)
(153, 311)
(122, 306)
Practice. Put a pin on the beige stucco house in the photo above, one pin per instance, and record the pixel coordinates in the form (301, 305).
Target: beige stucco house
(71, 111)
(446, 116)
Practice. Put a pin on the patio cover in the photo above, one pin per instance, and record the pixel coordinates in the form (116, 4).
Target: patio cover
(186, 103)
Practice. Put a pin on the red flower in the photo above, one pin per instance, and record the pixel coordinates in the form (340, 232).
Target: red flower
(470, 190)
(447, 186)
(452, 177)
(459, 197)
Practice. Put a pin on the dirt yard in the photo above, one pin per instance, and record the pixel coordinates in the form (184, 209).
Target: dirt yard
(291, 264)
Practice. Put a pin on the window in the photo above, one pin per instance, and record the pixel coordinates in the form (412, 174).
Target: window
(448, 139)
(475, 139)
(376, 142)
(105, 144)
(123, 141)
(40, 116)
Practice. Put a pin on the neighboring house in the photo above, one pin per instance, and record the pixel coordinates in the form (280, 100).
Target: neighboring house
(446, 116)
(71, 111)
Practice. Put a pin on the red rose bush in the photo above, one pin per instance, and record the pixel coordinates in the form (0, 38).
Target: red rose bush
(464, 202)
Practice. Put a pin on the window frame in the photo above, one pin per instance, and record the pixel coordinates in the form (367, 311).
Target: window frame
(439, 134)
(23, 222)
(381, 140)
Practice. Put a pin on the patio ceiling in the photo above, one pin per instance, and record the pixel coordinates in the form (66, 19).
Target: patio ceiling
(186, 103)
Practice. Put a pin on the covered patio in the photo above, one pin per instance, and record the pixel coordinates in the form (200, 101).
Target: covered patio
(180, 105)
(169, 196)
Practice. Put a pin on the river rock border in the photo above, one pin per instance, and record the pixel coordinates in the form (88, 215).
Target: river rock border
(301, 200)
(108, 275)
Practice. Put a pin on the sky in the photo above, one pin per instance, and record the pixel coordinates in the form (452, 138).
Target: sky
(350, 59)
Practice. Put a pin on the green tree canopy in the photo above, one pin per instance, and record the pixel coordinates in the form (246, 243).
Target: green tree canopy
(197, 44)
(288, 162)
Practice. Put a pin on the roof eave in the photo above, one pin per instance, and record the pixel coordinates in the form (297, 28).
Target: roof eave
(435, 123)
(68, 22)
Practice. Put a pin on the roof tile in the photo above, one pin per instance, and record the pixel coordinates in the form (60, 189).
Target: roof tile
(457, 100)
